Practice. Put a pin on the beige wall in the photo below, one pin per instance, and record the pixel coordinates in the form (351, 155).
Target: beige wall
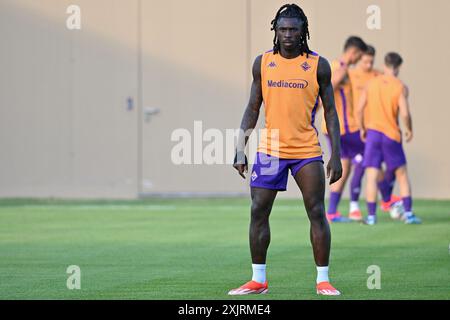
(194, 68)
(65, 130)
(64, 126)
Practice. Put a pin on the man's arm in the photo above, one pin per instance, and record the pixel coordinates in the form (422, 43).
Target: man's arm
(360, 114)
(249, 119)
(338, 75)
(334, 167)
(405, 114)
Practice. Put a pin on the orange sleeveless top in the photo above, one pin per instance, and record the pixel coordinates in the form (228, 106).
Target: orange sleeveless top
(290, 93)
(343, 99)
(383, 94)
(359, 80)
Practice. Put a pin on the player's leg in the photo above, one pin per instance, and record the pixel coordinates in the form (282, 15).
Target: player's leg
(311, 180)
(336, 189)
(259, 235)
(389, 176)
(383, 186)
(371, 193)
(373, 157)
(356, 152)
(259, 238)
(401, 175)
(269, 175)
(403, 181)
(386, 181)
(395, 159)
(355, 188)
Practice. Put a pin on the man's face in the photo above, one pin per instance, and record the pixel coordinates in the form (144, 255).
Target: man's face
(366, 62)
(289, 31)
(355, 54)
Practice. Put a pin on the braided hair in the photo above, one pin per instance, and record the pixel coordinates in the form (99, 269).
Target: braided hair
(292, 11)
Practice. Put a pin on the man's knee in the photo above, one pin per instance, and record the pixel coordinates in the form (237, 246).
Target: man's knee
(260, 209)
(316, 211)
(372, 174)
(401, 172)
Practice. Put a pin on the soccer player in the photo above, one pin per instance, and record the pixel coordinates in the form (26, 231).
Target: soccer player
(289, 80)
(359, 78)
(384, 100)
(351, 144)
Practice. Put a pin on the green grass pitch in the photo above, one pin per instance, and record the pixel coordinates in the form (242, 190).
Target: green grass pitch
(198, 249)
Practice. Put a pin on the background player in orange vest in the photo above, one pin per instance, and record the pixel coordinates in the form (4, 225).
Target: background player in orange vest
(360, 76)
(289, 80)
(351, 144)
(384, 100)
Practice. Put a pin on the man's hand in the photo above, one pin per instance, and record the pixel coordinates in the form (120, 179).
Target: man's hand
(334, 169)
(241, 163)
(408, 135)
(405, 115)
(363, 134)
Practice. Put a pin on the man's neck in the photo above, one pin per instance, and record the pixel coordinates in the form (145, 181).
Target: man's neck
(389, 72)
(290, 54)
(363, 70)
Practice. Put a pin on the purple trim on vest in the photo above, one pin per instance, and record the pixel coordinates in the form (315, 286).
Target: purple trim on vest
(313, 115)
(344, 111)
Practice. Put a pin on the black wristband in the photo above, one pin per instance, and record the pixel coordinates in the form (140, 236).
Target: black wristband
(240, 158)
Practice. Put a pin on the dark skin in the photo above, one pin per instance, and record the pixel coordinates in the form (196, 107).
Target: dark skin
(311, 178)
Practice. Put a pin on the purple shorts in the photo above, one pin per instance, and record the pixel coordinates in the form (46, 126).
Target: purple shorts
(351, 145)
(380, 148)
(270, 172)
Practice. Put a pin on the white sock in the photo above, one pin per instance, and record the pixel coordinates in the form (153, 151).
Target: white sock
(259, 273)
(354, 205)
(322, 274)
